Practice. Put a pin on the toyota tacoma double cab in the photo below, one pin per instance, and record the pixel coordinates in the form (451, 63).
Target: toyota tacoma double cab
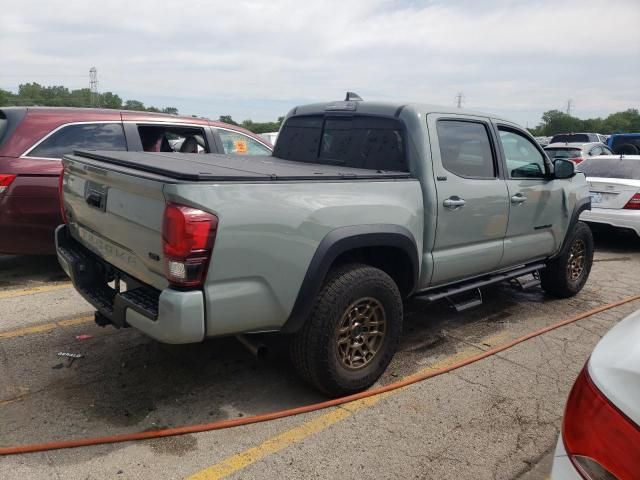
(360, 206)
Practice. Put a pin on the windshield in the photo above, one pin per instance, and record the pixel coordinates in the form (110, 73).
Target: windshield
(570, 138)
(563, 152)
(625, 168)
(374, 143)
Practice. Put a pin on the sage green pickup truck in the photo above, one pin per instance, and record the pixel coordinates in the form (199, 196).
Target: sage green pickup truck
(361, 206)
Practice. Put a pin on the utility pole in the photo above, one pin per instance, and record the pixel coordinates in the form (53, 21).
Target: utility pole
(569, 106)
(459, 99)
(93, 86)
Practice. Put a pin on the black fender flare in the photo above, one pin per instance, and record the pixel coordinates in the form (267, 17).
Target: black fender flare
(334, 244)
(581, 205)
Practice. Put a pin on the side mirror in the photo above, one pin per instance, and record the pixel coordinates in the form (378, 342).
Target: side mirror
(563, 168)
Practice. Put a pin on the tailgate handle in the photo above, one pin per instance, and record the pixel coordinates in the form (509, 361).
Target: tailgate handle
(95, 199)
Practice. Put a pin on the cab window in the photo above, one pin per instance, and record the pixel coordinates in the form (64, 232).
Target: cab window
(522, 157)
(88, 136)
(465, 149)
(237, 143)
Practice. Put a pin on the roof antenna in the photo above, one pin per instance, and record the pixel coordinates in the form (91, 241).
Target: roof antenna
(351, 96)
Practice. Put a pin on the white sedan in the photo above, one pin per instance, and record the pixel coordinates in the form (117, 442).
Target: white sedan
(600, 437)
(614, 184)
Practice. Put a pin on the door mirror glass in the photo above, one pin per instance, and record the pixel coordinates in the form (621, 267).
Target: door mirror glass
(563, 168)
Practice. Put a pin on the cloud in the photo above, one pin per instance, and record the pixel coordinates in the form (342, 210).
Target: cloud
(257, 58)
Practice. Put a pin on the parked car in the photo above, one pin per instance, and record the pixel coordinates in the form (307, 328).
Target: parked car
(361, 205)
(543, 141)
(34, 139)
(614, 186)
(625, 143)
(600, 436)
(576, 152)
(578, 138)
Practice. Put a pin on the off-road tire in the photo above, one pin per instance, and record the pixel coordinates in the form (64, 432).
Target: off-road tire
(557, 278)
(314, 349)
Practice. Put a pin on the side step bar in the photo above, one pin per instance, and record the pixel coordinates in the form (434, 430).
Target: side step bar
(434, 295)
(463, 302)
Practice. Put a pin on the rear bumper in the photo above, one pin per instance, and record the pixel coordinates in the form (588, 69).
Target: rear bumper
(169, 316)
(615, 217)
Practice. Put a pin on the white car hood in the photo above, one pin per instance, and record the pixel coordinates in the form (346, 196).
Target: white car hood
(614, 366)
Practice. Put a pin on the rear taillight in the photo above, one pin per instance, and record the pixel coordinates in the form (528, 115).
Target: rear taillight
(5, 181)
(188, 235)
(600, 440)
(63, 214)
(577, 160)
(634, 203)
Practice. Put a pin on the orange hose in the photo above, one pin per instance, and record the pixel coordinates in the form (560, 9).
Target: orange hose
(219, 425)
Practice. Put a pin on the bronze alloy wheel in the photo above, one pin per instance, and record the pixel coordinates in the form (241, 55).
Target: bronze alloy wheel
(360, 333)
(576, 263)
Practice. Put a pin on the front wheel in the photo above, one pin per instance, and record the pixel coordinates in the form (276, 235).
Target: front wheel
(566, 275)
(352, 333)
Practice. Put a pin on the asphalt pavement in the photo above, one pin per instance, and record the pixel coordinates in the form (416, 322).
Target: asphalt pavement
(495, 419)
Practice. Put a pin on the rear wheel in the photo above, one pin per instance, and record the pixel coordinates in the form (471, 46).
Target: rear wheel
(566, 275)
(353, 331)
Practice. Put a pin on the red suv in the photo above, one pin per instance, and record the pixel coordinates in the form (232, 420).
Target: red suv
(34, 139)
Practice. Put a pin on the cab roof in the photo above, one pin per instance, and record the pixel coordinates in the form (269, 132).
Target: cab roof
(390, 109)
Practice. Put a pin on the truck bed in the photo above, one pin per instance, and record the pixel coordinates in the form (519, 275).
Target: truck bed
(193, 167)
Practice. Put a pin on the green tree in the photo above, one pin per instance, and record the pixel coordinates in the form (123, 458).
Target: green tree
(5, 98)
(227, 119)
(134, 105)
(170, 110)
(110, 100)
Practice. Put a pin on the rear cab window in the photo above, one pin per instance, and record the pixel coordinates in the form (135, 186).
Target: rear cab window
(624, 168)
(466, 149)
(240, 144)
(87, 136)
(173, 138)
(358, 141)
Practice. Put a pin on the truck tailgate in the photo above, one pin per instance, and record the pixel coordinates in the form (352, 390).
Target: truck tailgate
(118, 216)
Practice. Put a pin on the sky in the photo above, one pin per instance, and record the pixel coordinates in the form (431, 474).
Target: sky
(257, 59)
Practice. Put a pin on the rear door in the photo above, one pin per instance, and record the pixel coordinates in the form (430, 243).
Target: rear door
(472, 198)
(536, 218)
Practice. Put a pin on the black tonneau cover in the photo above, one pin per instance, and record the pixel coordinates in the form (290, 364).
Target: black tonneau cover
(217, 167)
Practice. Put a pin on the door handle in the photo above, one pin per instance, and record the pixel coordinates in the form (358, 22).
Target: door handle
(454, 202)
(518, 198)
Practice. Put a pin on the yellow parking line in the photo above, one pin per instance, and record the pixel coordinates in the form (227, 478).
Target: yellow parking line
(20, 292)
(45, 327)
(283, 440)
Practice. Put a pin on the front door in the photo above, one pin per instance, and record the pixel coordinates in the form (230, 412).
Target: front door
(537, 219)
(473, 204)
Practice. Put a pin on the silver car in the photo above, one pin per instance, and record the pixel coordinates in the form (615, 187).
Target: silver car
(576, 152)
